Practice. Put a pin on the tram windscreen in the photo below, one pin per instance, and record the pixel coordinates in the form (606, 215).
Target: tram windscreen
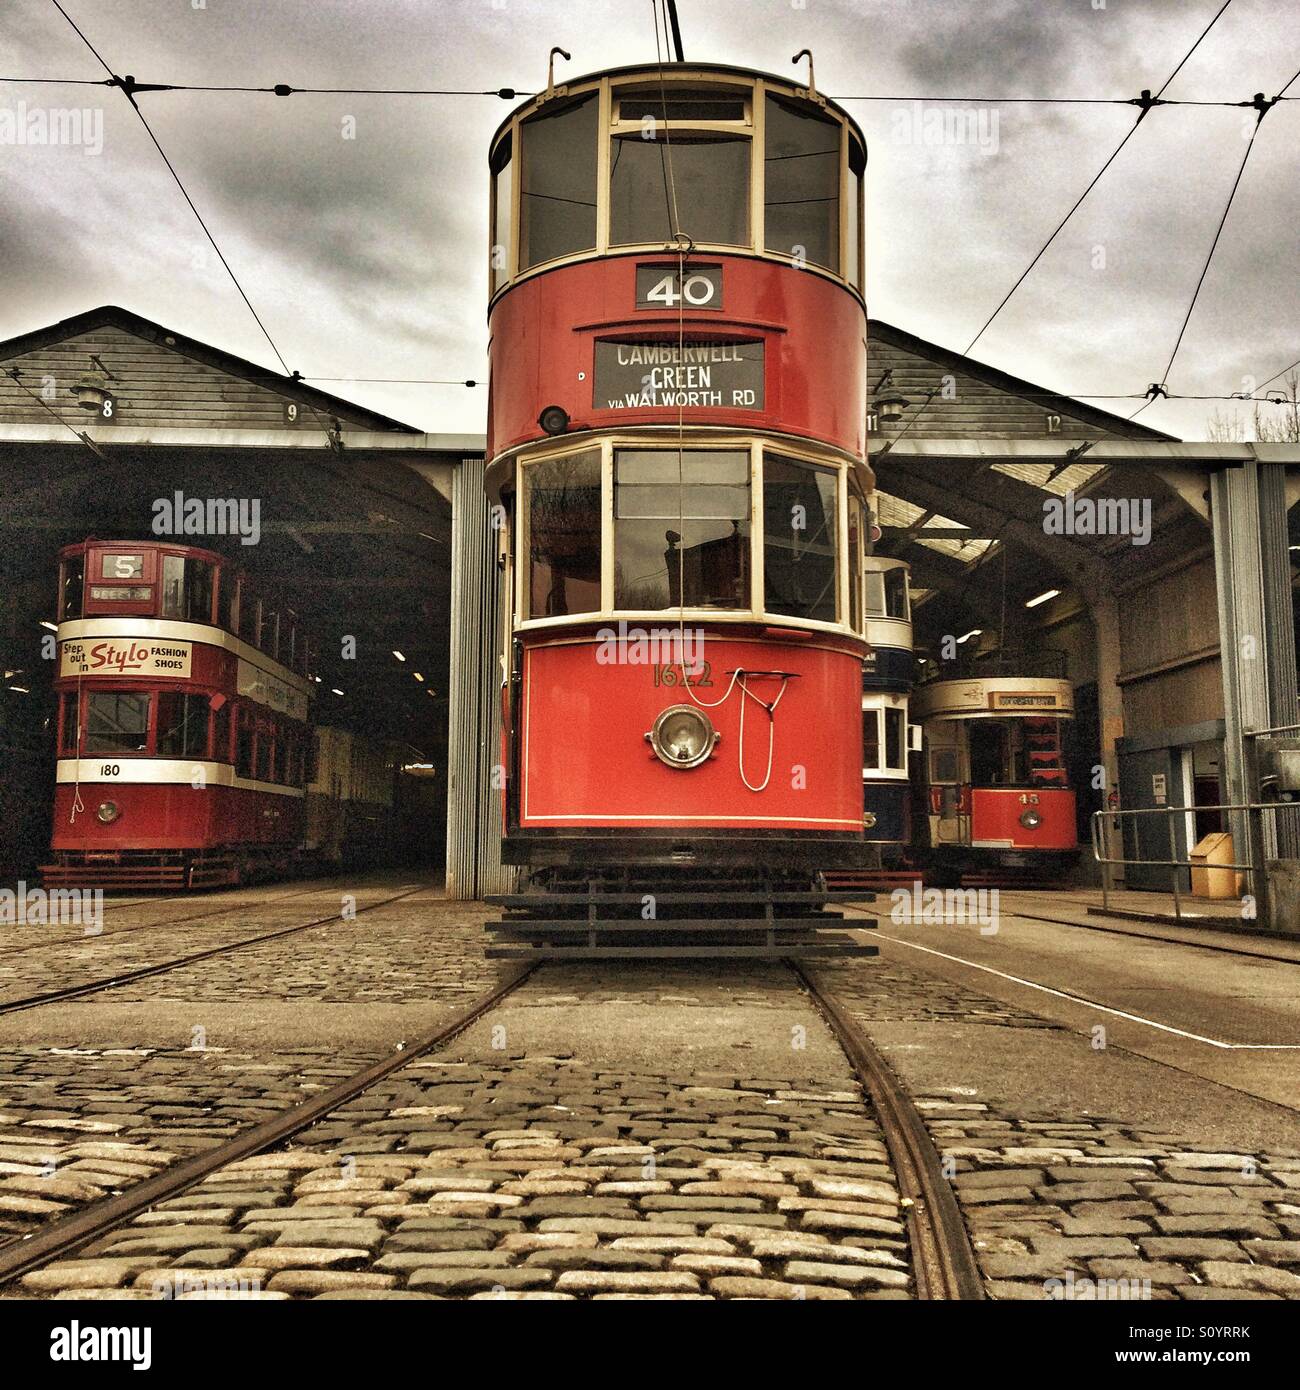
(997, 753)
(681, 531)
(557, 183)
(563, 543)
(117, 721)
(707, 185)
(799, 540)
(801, 184)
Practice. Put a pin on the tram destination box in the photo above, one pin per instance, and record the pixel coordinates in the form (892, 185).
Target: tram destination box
(696, 373)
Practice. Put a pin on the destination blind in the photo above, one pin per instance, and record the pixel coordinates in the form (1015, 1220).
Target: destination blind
(697, 375)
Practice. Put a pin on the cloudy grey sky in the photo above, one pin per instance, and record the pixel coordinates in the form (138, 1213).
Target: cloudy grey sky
(366, 257)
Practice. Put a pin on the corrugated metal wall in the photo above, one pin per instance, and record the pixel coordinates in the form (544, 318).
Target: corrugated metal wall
(474, 717)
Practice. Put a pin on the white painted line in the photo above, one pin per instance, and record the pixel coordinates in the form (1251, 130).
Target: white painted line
(1093, 1004)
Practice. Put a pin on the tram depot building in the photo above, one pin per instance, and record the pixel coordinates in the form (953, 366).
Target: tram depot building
(1171, 561)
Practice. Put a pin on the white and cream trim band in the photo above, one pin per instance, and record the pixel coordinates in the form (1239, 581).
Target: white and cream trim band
(158, 772)
(162, 629)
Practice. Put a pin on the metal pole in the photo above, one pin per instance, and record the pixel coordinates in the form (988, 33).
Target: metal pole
(677, 30)
(1175, 868)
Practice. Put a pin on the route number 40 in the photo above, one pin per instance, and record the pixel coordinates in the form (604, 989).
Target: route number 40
(697, 290)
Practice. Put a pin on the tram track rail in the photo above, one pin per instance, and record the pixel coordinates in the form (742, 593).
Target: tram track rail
(70, 992)
(943, 1262)
(69, 1234)
(942, 1259)
(1244, 949)
(157, 924)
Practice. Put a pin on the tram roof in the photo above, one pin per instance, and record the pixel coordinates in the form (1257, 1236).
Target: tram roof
(677, 71)
(113, 316)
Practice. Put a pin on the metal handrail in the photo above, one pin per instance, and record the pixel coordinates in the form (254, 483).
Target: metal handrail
(1173, 863)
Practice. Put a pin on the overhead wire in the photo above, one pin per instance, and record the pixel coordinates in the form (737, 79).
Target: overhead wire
(1146, 104)
(131, 88)
(1158, 390)
(171, 169)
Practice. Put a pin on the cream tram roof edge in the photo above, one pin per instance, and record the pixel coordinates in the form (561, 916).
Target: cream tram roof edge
(994, 697)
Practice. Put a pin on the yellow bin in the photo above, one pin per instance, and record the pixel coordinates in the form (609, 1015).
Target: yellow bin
(1208, 881)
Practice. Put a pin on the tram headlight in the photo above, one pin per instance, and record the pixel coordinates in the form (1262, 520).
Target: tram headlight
(682, 736)
(1030, 818)
(554, 419)
(108, 812)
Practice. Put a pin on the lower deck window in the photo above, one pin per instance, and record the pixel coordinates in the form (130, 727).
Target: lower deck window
(265, 755)
(117, 721)
(68, 727)
(221, 733)
(895, 756)
(182, 725)
(871, 740)
(799, 539)
(681, 528)
(564, 536)
(244, 745)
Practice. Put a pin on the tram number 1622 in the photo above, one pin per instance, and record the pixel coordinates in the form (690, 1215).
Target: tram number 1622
(673, 674)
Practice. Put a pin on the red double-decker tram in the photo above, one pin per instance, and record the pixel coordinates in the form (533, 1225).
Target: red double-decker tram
(676, 446)
(182, 734)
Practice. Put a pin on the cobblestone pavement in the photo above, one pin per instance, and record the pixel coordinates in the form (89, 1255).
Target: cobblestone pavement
(548, 1175)
(77, 1124)
(1080, 1206)
(413, 951)
(127, 914)
(535, 1177)
(649, 1133)
(69, 956)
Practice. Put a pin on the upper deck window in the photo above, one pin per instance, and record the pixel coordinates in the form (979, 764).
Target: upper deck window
(248, 613)
(226, 583)
(187, 589)
(502, 210)
(703, 178)
(802, 184)
(800, 539)
(630, 161)
(855, 564)
(557, 191)
(887, 593)
(853, 219)
(681, 528)
(655, 104)
(563, 539)
(74, 568)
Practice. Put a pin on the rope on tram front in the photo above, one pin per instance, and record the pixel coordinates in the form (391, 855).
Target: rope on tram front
(685, 244)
